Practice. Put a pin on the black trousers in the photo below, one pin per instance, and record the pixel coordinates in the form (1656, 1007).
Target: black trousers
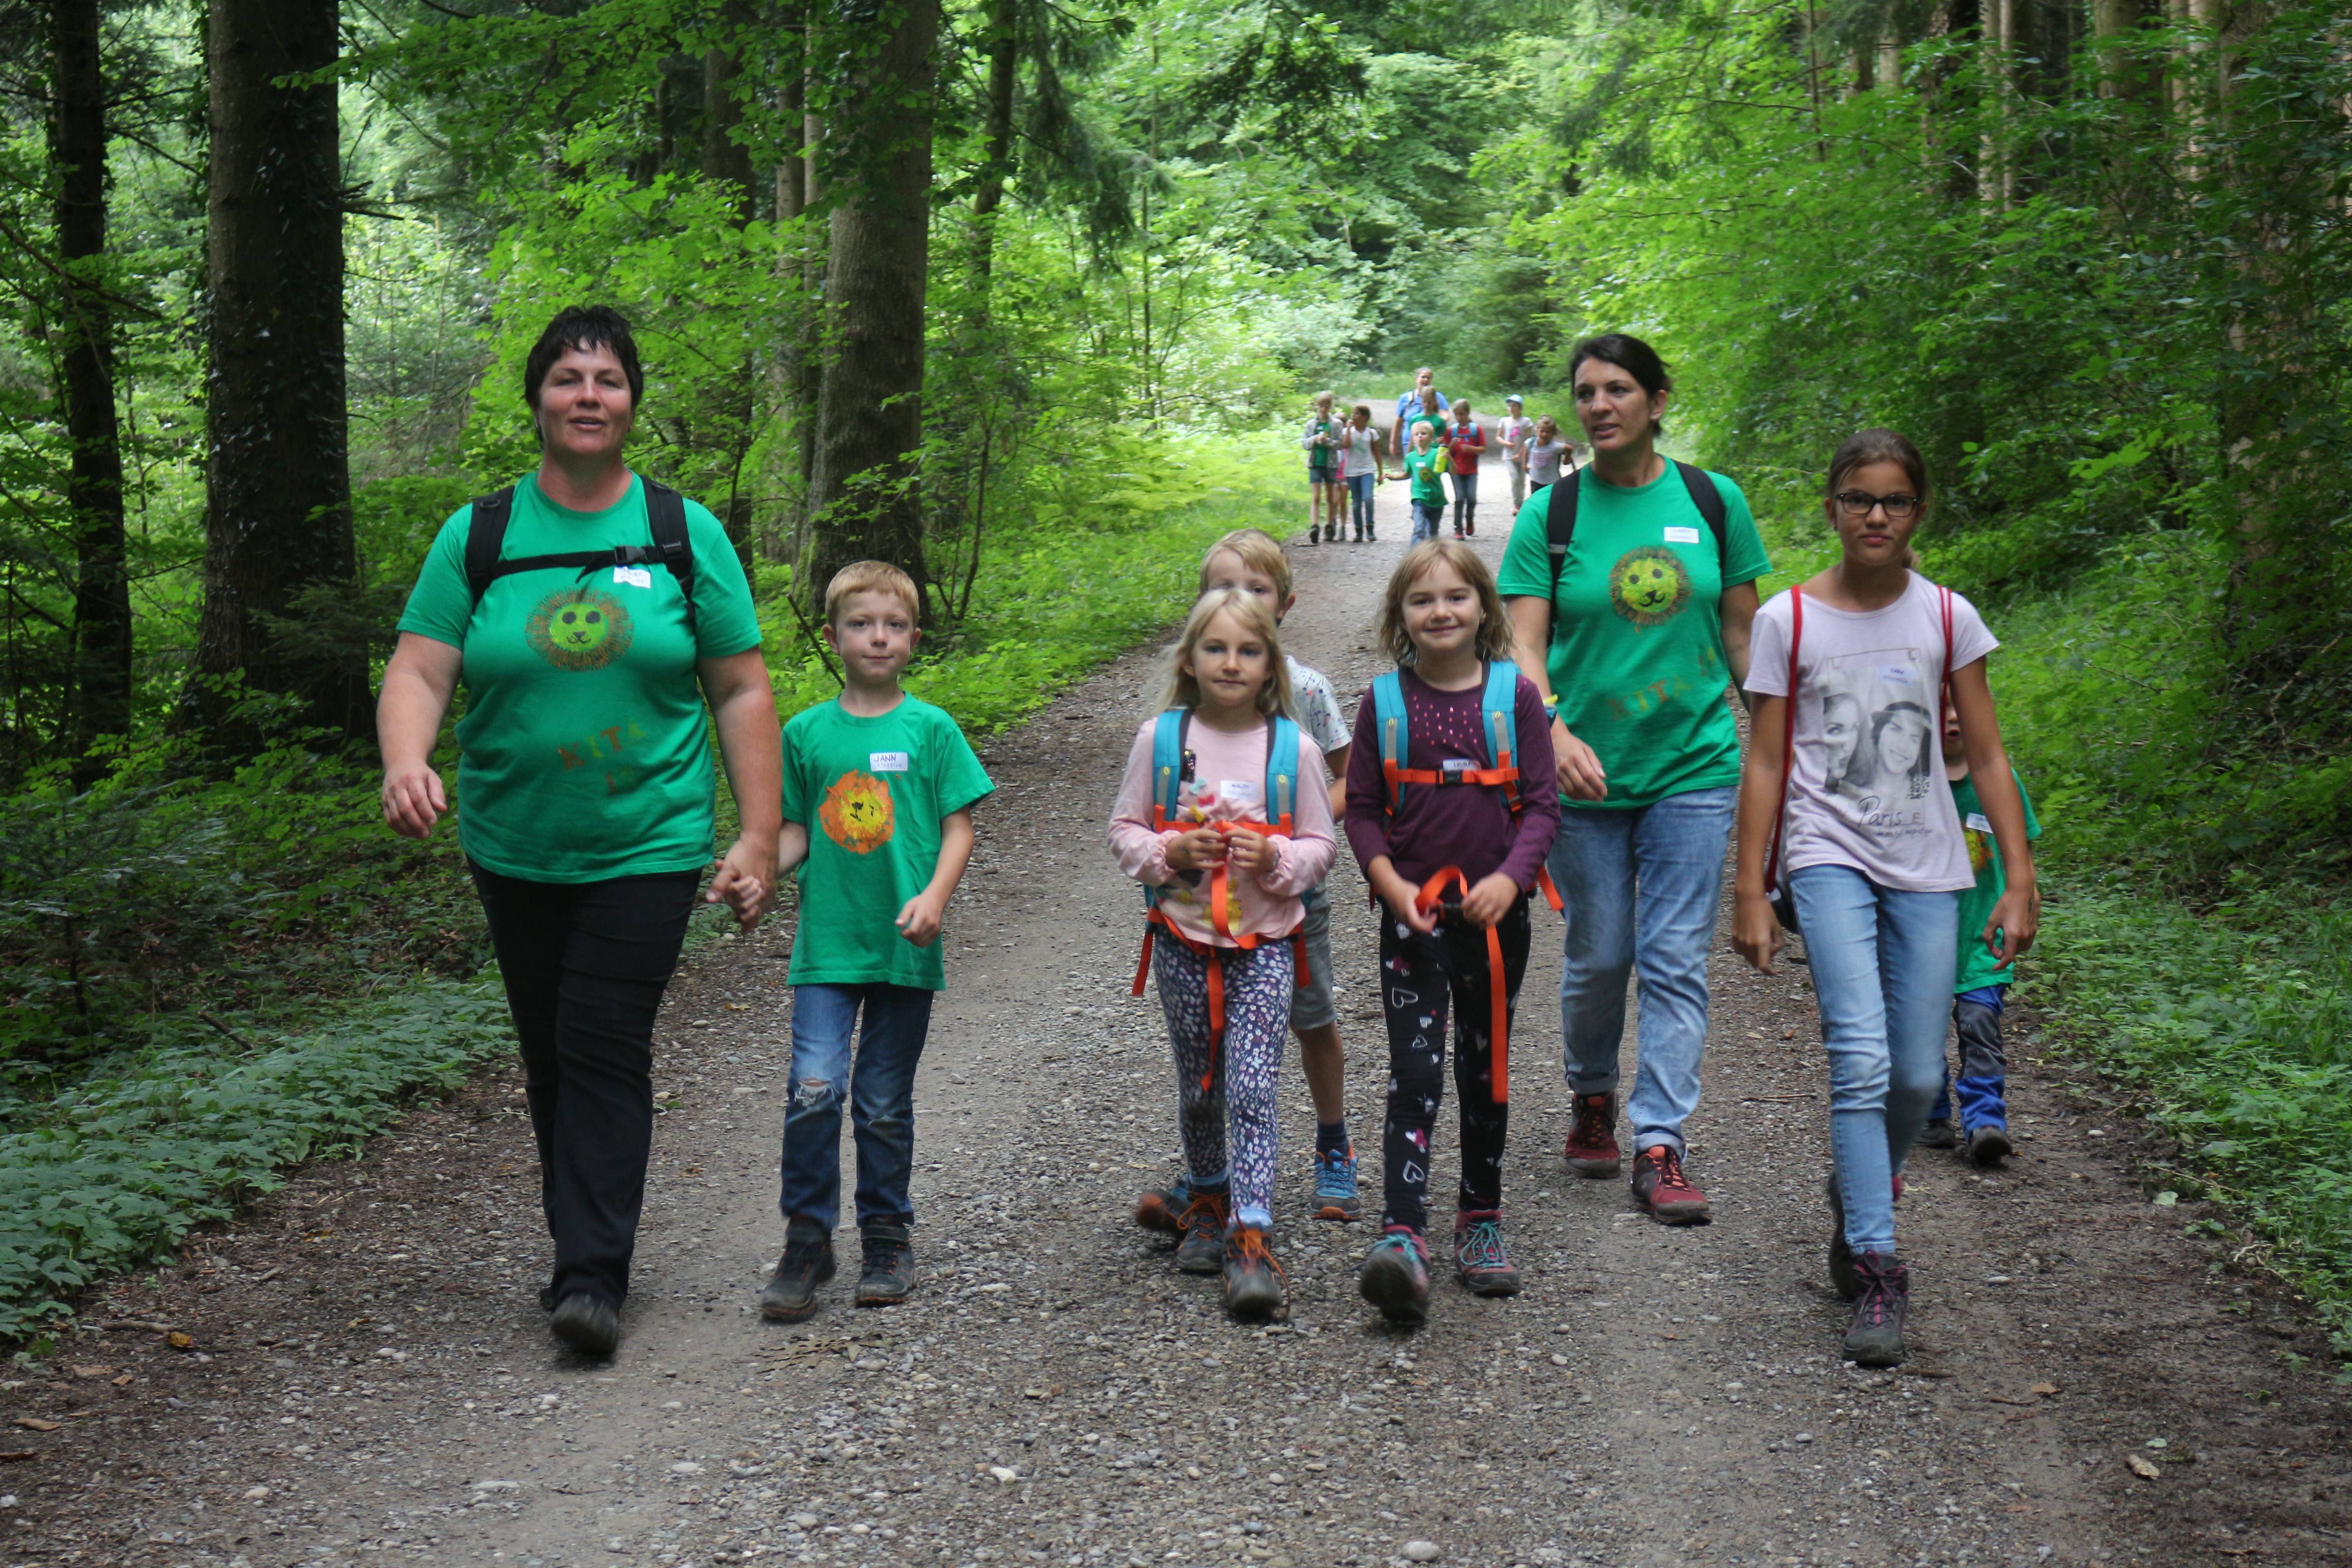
(585, 965)
(1423, 978)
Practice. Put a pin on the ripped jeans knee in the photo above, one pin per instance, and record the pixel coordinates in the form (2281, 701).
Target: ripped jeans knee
(815, 1094)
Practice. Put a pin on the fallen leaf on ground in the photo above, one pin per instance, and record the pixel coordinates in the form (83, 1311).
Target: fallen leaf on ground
(35, 1424)
(18, 1455)
(2142, 1467)
(2045, 1388)
(122, 1382)
(179, 1342)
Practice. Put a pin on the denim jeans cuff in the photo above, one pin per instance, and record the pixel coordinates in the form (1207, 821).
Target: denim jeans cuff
(1653, 1137)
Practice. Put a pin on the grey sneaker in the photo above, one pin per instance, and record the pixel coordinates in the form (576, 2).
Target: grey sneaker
(1162, 1208)
(1875, 1338)
(1253, 1282)
(1939, 1133)
(887, 1276)
(1988, 1146)
(807, 1263)
(1395, 1276)
(1202, 1250)
(1335, 1187)
(589, 1324)
(1479, 1260)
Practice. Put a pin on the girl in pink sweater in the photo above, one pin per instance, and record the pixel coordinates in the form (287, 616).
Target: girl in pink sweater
(1228, 901)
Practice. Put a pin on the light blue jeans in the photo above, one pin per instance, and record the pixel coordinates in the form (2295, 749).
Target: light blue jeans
(1641, 887)
(1882, 963)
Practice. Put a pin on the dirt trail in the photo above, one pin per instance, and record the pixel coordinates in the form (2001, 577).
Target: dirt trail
(369, 1379)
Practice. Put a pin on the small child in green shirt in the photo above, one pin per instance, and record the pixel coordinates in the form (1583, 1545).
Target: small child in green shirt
(1979, 989)
(1425, 464)
(879, 788)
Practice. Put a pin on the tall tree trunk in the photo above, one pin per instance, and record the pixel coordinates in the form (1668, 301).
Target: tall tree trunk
(724, 157)
(102, 629)
(1002, 48)
(277, 481)
(862, 500)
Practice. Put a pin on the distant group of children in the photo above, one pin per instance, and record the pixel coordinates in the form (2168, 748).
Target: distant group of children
(1433, 442)
(1228, 817)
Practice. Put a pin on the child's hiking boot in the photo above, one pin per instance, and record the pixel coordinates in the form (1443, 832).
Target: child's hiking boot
(790, 1293)
(1875, 1337)
(888, 1275)
(1988, 1146)
(1395, 1276)
(1842, 1279)
(1660, 1186)
(1592, 1139)
(589, 1324)
(1162, 1208)
(1335, 1197)
(1939, 1133)
(1202, 1250)
(1254, 1287)
(1479, 1260)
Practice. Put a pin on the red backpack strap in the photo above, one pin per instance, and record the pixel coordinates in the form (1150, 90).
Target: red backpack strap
(1788, 734)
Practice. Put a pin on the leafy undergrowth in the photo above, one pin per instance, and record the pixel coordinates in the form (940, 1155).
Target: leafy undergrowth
(2233, 1029)
(114, 1174)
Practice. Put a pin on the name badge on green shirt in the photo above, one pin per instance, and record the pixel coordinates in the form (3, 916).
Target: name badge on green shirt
(886, 762)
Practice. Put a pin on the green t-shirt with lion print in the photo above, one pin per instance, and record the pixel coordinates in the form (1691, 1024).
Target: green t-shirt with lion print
(584, 751)
(1637, 658)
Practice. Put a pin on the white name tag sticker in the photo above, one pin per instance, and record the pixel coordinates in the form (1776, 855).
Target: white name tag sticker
(1455, 765)
(634, 576)
(1898, 675)
(886, 762)
(1241, 792)
(1682, 536)
(1979, 822)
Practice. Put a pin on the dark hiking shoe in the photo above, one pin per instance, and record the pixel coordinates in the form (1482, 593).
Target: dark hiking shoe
(547, 1298)
(1162, 1208)
(1254, 1287)
(589, 1324)
(887, 1277)
(1875, 1337)
(1988, 1146)
(1592, 1140)
(1395, 1276)
(1335, 1197)
(1939, 1133)
(1842, 1279)
(1660, 1186)
(1202, 1250)
(1479, 1260)
(807, 1263)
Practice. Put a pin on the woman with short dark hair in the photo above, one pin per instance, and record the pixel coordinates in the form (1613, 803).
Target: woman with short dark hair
(598, 622)
(1631, 633)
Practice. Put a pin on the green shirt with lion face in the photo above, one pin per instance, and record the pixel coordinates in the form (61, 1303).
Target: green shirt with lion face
(585, 750)
(1636, 659)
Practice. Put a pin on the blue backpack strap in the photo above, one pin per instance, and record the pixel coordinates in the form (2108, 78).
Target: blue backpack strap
(1500, 705)
(1395, 735)
(1168, 732)
(1281, 772)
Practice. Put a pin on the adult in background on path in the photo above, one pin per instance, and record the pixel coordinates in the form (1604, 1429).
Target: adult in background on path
(1409, 400)
(1465, 439)
(1515, 430)
(591, 629)
(1632, 631)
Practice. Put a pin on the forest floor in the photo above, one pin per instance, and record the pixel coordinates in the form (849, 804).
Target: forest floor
(359, 1372)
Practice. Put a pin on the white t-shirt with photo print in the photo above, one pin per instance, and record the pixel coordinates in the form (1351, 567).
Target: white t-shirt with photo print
(1868, 791)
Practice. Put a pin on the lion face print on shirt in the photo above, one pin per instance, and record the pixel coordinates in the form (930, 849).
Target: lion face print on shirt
(579, 628)
(857, 813)
(1649, 586)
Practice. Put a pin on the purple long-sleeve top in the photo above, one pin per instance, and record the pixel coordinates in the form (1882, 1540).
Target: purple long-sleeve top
(1454, 824)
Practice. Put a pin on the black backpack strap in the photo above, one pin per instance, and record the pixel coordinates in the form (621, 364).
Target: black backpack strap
(486, 536)
(1709, 501)
(665, 510)
(1559, 528)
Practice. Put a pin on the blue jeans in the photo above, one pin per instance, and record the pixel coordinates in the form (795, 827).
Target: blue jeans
(881, 1100)
(1882, 963)
(1426, 516)
(1360, 490)
(1465, 501)
(1641, 887)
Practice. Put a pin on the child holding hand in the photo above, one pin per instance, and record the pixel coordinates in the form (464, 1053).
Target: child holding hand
(1451, 844)
(1223, 816)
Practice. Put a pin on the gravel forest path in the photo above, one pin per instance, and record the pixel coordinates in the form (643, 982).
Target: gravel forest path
(365, 1376)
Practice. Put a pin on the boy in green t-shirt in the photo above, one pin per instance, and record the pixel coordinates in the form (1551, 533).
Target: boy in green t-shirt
(879, 792)
(1979, 989)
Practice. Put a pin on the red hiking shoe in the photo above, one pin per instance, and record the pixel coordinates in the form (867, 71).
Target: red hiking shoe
(1592, 1142)
(1660, 1186)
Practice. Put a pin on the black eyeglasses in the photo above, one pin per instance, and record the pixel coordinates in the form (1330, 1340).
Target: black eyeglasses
(1857, 504)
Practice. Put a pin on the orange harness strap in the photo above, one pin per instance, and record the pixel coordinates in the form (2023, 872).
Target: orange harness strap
(1504, 772)
(1245, 942)
(1499, 986)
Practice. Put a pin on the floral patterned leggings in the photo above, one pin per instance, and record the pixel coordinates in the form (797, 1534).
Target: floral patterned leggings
(1240, 1077)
